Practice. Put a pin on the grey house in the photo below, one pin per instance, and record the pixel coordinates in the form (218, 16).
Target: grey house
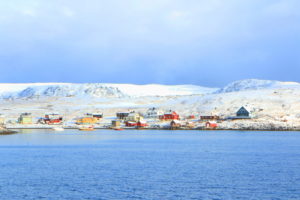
(243, 112)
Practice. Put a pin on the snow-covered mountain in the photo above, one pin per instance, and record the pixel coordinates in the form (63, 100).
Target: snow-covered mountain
(97, 90)
(255, 84)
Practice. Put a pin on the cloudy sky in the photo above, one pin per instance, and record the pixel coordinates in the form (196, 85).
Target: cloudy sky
(209, 43)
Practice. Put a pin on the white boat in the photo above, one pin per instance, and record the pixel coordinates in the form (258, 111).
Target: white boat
(58, 129)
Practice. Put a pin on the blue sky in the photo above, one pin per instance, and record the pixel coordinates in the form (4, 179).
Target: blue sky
(202, 42)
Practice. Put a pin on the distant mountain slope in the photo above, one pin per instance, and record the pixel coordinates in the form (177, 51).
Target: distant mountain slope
(15, 91)
(104, 90)
(255, 84)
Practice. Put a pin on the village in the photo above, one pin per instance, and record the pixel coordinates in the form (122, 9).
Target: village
(153, 118)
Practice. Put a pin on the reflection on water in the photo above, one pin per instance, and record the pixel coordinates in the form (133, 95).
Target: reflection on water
(106, 164)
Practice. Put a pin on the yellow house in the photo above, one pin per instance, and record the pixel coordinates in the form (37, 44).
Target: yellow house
(87, 120)
(25, 118)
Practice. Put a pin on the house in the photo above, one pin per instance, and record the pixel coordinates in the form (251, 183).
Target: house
(175, 124)
(209, 117)
(122, 115)
(98, 116)
(52, 119)
(211, 125)
(134, 117)
(153, 113)
(25, 118)
(86, 120)
(171, 115)
(242, 113)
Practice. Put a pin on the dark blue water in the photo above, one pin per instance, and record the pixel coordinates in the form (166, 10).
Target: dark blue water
(73, 165)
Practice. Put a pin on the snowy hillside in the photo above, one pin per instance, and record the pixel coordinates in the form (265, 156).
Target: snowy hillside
(255, 84)
(20, 91)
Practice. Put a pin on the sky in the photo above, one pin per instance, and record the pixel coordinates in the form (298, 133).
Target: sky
(209, 43)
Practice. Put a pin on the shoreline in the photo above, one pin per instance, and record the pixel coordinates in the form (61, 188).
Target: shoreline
(162, 129)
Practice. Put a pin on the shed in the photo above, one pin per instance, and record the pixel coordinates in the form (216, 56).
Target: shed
(115, 123)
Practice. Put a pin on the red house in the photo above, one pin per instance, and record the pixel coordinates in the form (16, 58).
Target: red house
(171, 115)
(211, 125)
(53, 119)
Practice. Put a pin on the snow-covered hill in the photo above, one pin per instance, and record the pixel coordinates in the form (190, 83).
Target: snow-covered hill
(255, 84)
(21, 91)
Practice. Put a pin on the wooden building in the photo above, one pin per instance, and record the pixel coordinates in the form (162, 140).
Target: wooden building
(175, 124)
(211, 125)
(133, 117)
(243, 112)
(122, 115)
(171, 115)
(98, 116)
(25, 118)
(153, 113)
(115, 124)
(52, 118)
(209, 117)
(86, 121)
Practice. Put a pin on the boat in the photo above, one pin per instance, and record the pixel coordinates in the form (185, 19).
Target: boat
(84, 128)
(118, 129)
(58, 129)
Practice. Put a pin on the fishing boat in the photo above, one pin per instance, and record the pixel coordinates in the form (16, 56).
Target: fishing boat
(58, 129)
(86, 128)
(118, 129)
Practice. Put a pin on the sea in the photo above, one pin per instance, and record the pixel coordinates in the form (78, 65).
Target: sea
(150, 164)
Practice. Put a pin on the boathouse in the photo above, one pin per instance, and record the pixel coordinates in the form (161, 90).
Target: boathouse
(175, 124)
(211, 125)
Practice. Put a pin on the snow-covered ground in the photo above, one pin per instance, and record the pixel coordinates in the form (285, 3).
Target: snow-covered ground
(272, 103)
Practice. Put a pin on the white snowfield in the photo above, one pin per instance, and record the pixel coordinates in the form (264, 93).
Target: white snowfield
(31, 90)
(272, 103)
